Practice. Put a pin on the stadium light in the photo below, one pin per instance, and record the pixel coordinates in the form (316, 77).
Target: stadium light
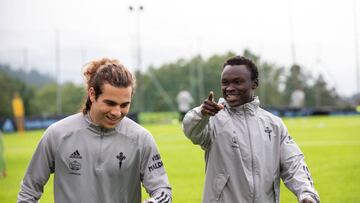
(356, 50)
(57, 73)
(159, 87)
(138, 57)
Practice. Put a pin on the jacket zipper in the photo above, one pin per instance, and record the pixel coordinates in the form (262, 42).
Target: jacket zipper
(100, 150)
(251, 154)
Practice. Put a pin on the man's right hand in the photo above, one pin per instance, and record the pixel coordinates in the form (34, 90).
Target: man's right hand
(209, 107)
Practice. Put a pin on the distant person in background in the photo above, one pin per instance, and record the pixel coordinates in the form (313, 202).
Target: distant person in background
(184, 100)
(99, 155)
(247, 149)
(2, 159)
(19, 112)
(297, 99)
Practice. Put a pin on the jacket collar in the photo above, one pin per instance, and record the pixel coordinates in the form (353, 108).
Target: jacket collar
(99, 130)
(250, 107)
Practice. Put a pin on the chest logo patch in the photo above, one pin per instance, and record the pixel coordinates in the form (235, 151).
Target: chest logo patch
(234, 142)
(76, 155)
(121, 158)
(75, 165)
(268, 130)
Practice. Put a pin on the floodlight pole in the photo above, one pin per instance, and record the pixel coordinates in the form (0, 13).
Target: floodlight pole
(138, 10)
(83, 55)
(356, 50)
(292, 41)
(200, 74)
(57, 73)
(25, 60)
(157, 84)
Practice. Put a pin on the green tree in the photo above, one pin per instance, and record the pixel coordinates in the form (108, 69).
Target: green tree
(159, 84)
(321, 95)
(158, 87)
(9, 85)
(73, 97)
(270, 75)
(270, 83)
(294, 80)
(45, 99)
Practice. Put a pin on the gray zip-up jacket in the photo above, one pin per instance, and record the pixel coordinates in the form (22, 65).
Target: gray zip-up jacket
(247, 150)
(92, 164)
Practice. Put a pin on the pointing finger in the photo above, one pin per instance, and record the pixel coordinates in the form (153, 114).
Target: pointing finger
(211, 96)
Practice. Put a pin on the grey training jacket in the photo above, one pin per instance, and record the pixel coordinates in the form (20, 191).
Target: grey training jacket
(247, 150)
(92, 164)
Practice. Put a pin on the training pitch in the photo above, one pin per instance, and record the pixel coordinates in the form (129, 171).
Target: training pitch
(331, 146)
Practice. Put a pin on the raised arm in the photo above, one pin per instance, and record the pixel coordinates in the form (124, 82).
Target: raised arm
(196, 122)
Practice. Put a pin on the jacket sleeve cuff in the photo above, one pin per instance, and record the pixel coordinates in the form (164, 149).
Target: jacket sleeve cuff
(199, 114)
(309, 197)
(159, 197)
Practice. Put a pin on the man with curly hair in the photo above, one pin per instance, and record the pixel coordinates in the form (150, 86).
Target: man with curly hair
(99, 155)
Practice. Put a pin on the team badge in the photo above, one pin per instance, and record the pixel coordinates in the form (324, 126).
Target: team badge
(75, 165)
(268, 131)
(121, 158)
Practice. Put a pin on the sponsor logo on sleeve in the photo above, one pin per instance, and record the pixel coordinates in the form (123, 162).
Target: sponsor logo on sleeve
(289, 140)
(157, 163)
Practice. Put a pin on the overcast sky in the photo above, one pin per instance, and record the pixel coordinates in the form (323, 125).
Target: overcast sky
(322, 32)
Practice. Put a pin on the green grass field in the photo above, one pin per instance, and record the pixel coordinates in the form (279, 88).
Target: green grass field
(331, 146)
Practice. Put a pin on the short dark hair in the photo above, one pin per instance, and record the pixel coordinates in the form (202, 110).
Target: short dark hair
(240, 60)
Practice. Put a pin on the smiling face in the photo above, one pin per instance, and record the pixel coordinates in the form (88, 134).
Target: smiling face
(111, 106)
(236, 85)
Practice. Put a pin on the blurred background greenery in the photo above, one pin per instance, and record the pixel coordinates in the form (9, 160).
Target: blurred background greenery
(158, 86)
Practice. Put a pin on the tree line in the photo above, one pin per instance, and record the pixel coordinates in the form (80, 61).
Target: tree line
(199, 76)
(38, 93)
(157, 87)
